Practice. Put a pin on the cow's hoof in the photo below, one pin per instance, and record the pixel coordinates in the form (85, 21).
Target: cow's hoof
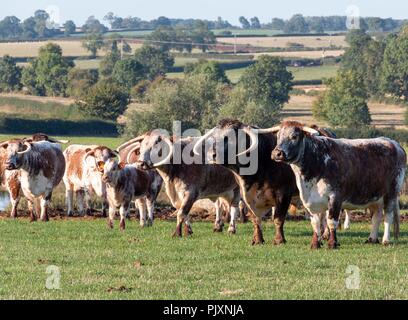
(257, 241)
(70, 214)
(218, 228)
(279, 241)
(333, 245)
(122, 225)
(387, 243)
(110, 224)
(232, 230)
(326, 236)
(315, 245)
(372, 241)
(188, 231)
(149, 223)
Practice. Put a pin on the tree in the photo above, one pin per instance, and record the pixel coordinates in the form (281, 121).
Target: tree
(10, 28)
(244, 22)
(80, 81)
(128, 72)
(255, 23)
(277, 24)
(202, 35)
(296, 24)
(48, 74)
(93, 26)
(69, 27)
(104, 100)
(344, 103)
(154, 60)
(10, 74)
(212, 69)
(93, 43)
(109, 60)
(41, 17)
(261, 93)
(394, 71)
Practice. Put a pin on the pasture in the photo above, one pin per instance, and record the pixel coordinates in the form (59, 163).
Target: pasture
(97, 263)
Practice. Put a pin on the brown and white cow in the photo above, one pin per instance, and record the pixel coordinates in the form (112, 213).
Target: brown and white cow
(332, 174)
(272, 185)
(41, 166)
(83, 177)
(11, 179)
(187, 183)
(126, 183)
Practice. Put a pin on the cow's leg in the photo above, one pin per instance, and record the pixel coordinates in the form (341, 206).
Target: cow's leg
(182, 215)
(346, 220)
(325, 227)
(44, 202)
(69, 195)
(258, 235)
(105, 204)
(390, 209)
(111, 218)
(333, 221)
(80, 195)
(88, 200)
(14, 199)
(219, 222)
(141, 204)
(279, 216)
(315, 220)
(243, 210)
(376, 215)
(233, 222)
(123, 211)
(31, 209)
(150, 211)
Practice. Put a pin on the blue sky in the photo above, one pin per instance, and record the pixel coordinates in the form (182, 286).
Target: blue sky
(79, 10)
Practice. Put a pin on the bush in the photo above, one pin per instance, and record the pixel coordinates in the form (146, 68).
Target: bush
(80, 81)
(210, 68)
(128, 72)
(10, 74)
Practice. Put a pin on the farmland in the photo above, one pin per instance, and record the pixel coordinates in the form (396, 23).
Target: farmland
(97, 263)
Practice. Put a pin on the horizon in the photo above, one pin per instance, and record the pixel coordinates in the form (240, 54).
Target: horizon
(203, 9)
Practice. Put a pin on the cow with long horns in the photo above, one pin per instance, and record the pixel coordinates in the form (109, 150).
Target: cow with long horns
(10, 179)
(41, 166)
(188, 182)
(83, 177)
(332, 174)
(271, 185)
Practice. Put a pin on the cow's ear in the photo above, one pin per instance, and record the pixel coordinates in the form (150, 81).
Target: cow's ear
(87, 150)
(121, 165)
(101, 166)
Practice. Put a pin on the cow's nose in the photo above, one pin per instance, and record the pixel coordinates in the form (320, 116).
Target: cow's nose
(278, 155)
(146, 165)
(10, 166)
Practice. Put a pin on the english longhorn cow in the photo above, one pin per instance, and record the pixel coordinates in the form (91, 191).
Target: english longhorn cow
(272, 185)
(83, 177)
(332, 174)
(11, 179)
(41, 166)
(186, 183)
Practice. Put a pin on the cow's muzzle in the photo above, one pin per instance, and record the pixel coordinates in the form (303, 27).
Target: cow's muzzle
(11, 166)
(145, 165)
(278, 155)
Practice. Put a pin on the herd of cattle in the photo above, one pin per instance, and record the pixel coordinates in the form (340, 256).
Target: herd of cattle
(327, 174)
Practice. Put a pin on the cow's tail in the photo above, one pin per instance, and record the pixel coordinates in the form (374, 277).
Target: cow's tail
(396, 219)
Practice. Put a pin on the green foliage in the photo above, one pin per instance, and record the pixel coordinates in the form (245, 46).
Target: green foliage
(80, 81)
(109, 60)
(47, 74)
(10, 74)
(155, 61)
(344, 103)
(244, 23)
(394, 73)
(69, 27)
(94, 26)
(211, 68)
(105, 100)
(296, 24)
(128, 72)
(93, 42)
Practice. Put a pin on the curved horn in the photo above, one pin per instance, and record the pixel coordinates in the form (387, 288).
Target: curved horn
(131, 152)
(28, 145)
(61, 141)
(312, 131)
(196, 149)
(270, 130)
(167, 159)
(130, 142)
(254, 140)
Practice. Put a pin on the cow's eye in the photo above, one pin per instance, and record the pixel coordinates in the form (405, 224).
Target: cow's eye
(294, 137)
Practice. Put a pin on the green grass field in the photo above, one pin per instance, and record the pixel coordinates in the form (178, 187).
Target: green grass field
(97, 263)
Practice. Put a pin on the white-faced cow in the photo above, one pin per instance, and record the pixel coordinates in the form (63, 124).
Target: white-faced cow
(332, 174)
(83, 177)
(41, 166)
(10, 179)
(187, 183)
(126, 183)
(272, 185)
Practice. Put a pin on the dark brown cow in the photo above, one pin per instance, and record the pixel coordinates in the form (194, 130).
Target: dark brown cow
(273, 184)
(41, 166)
(186, 183)
(332, 174)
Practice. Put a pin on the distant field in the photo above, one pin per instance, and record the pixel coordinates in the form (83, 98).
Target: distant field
(303, 54)
(70, 48)
(287, 42)
(251, 32)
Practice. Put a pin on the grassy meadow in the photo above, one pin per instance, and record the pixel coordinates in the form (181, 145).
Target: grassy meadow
(97, 263)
